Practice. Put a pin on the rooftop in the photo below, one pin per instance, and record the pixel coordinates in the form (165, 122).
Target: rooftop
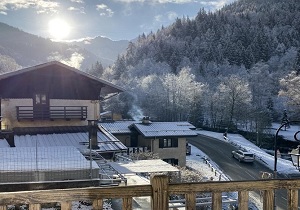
(151, 129)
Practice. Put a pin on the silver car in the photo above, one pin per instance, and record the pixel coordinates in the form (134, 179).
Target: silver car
(243, 156)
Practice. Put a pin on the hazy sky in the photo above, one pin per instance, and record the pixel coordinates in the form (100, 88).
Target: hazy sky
(115, 19)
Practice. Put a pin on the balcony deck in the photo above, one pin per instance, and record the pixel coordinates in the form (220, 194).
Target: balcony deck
(159, 190)
(53, 112)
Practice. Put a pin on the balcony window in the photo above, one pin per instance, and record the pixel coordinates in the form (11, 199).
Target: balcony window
(40, 99)
(168, 142)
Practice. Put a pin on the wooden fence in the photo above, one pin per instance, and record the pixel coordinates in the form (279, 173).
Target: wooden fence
(159, 190)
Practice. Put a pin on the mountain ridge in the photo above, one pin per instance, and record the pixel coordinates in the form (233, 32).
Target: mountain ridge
(15, 44)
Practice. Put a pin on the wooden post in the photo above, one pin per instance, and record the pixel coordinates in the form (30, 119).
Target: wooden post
(160, 194)
(66, 205)
(34, 206)
(190, 201)
(98, 204)
(292, 199)
(268, 200)
(243, 199)
(127, 204)
(217, 201)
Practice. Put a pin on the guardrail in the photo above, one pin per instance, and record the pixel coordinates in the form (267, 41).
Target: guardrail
(160, 191)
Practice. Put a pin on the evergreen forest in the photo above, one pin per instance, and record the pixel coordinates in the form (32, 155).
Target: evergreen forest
(234, 67)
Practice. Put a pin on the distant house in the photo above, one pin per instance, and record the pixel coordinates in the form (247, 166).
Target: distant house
(167, 139)
(53, 105)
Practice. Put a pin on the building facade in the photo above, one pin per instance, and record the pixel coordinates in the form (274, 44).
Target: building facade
(166, 139)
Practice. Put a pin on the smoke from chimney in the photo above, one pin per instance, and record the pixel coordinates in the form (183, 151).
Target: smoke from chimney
(136, 113)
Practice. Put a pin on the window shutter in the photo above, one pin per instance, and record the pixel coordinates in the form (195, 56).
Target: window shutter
(175, 142)
(161, 143)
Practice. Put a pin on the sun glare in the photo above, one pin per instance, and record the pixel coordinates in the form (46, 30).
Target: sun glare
(58, 29)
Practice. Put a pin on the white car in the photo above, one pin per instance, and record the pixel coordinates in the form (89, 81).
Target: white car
(243, 156)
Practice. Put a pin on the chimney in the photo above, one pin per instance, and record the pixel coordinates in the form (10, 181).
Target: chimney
(146, 120)
(93, 129)
(10, 138)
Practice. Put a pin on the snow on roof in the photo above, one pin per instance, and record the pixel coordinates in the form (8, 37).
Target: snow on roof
(3, 143)
(160, 129)
(118, 127)
(49, 158)
(77, 140)
(143, 166)
(153, 129)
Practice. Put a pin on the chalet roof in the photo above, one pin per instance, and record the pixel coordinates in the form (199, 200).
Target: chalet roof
(165, 129)
(118, 127)
(77, 137)
(60, 81)
(152, 129)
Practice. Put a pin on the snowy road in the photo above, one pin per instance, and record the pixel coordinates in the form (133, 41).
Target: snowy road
(220, 153)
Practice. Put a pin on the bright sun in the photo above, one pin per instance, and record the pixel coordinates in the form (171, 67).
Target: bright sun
(58, 29)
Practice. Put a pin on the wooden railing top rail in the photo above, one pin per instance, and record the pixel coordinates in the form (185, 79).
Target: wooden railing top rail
(159, 190)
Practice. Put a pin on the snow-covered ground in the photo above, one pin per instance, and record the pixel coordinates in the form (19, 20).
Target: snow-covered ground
(199, 161)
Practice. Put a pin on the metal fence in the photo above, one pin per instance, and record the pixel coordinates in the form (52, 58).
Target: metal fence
(44, 164)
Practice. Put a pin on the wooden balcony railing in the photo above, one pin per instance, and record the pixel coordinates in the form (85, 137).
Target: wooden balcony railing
(159, 190)
(52, 112)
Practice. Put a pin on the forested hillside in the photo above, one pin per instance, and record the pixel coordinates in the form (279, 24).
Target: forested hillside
(220, 69)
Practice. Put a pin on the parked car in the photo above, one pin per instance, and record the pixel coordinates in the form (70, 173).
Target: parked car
(243, 156)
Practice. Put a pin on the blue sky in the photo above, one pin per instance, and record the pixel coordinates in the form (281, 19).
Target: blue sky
(115, 19)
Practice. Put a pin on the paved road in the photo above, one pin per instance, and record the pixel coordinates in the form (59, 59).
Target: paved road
(220, 153)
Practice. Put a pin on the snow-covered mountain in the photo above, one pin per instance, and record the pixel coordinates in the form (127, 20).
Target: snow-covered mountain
(24, 49)
(104, 48)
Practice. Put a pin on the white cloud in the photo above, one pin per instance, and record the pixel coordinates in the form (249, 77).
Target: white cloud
(168, 16)
(216, 4)
(104, 10)
(40, 5)
(78, 1)
(158, 18)
(172, 15)
(81, 9)
(159, 1)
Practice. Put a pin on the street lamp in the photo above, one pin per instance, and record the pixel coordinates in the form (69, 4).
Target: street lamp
(295, 154)
(275, 143)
